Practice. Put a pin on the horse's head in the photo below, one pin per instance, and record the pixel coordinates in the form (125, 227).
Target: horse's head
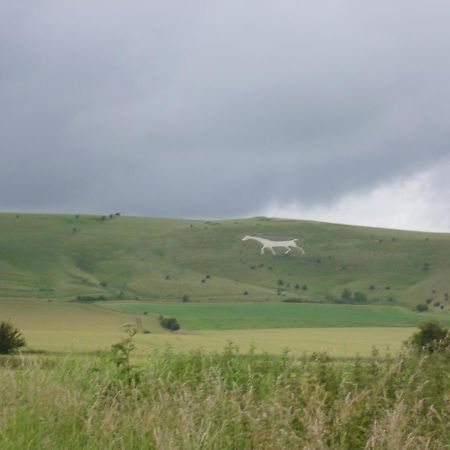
(246, 238)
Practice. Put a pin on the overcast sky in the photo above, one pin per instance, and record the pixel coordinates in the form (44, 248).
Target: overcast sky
(329, 110)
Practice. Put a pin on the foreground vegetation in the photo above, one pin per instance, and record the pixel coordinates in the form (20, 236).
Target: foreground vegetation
(225, 400)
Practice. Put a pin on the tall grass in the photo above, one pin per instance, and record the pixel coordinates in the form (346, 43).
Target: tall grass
(225, 401)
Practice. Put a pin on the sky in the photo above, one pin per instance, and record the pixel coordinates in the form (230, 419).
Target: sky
(334, 110)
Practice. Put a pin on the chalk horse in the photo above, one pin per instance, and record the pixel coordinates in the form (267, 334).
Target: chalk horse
(267, 243)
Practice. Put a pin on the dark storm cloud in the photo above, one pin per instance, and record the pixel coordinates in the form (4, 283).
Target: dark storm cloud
(216, 108)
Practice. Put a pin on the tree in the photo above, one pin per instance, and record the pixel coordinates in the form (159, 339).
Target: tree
(421, 307)
(346, 296)
(430, 335)
(359, 297)
(169, 322)
(10, 338)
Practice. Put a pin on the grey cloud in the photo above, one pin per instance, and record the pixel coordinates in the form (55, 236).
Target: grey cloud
(215, 108)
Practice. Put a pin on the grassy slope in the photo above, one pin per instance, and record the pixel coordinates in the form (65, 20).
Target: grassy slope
(60, 257)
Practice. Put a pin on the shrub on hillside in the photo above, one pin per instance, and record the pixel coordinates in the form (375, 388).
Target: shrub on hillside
(294, 300)
(346, 296)
(350, 297)
(10, 338)
(90, 298)
(421, 307)
(359, 297)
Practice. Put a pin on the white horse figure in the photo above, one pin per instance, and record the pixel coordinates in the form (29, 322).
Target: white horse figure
(267, 243)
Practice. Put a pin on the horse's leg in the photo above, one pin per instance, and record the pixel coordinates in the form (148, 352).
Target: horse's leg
(273, 251)
(287, 251)
(262, 250)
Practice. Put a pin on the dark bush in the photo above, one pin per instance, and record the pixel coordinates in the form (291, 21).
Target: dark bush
(169, 322)
(280, 282)
(304, 287)
(185, 298)
(421, 307)
(359, 297)
(10, 338)
(346, 296)
(430, 336)
(293, 300)
(90, 298)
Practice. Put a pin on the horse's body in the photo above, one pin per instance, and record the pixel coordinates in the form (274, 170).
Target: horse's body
(267, 243)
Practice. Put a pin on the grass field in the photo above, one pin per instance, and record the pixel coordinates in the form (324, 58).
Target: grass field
(71, 327)
(60, 257)
(200, 316)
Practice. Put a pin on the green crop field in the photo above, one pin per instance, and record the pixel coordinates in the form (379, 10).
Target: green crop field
(72, 327)
(68, 328)
(200, 316)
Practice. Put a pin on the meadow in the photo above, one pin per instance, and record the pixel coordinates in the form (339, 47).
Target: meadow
(65, 328)
(225, 400)
(229, 316)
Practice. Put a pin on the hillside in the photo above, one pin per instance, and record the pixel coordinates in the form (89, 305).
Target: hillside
(60, 257)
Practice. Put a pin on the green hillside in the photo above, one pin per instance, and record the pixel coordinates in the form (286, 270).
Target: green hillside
(60, 257)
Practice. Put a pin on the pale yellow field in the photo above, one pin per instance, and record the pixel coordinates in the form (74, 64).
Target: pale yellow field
(334, 341)
(69, 327)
